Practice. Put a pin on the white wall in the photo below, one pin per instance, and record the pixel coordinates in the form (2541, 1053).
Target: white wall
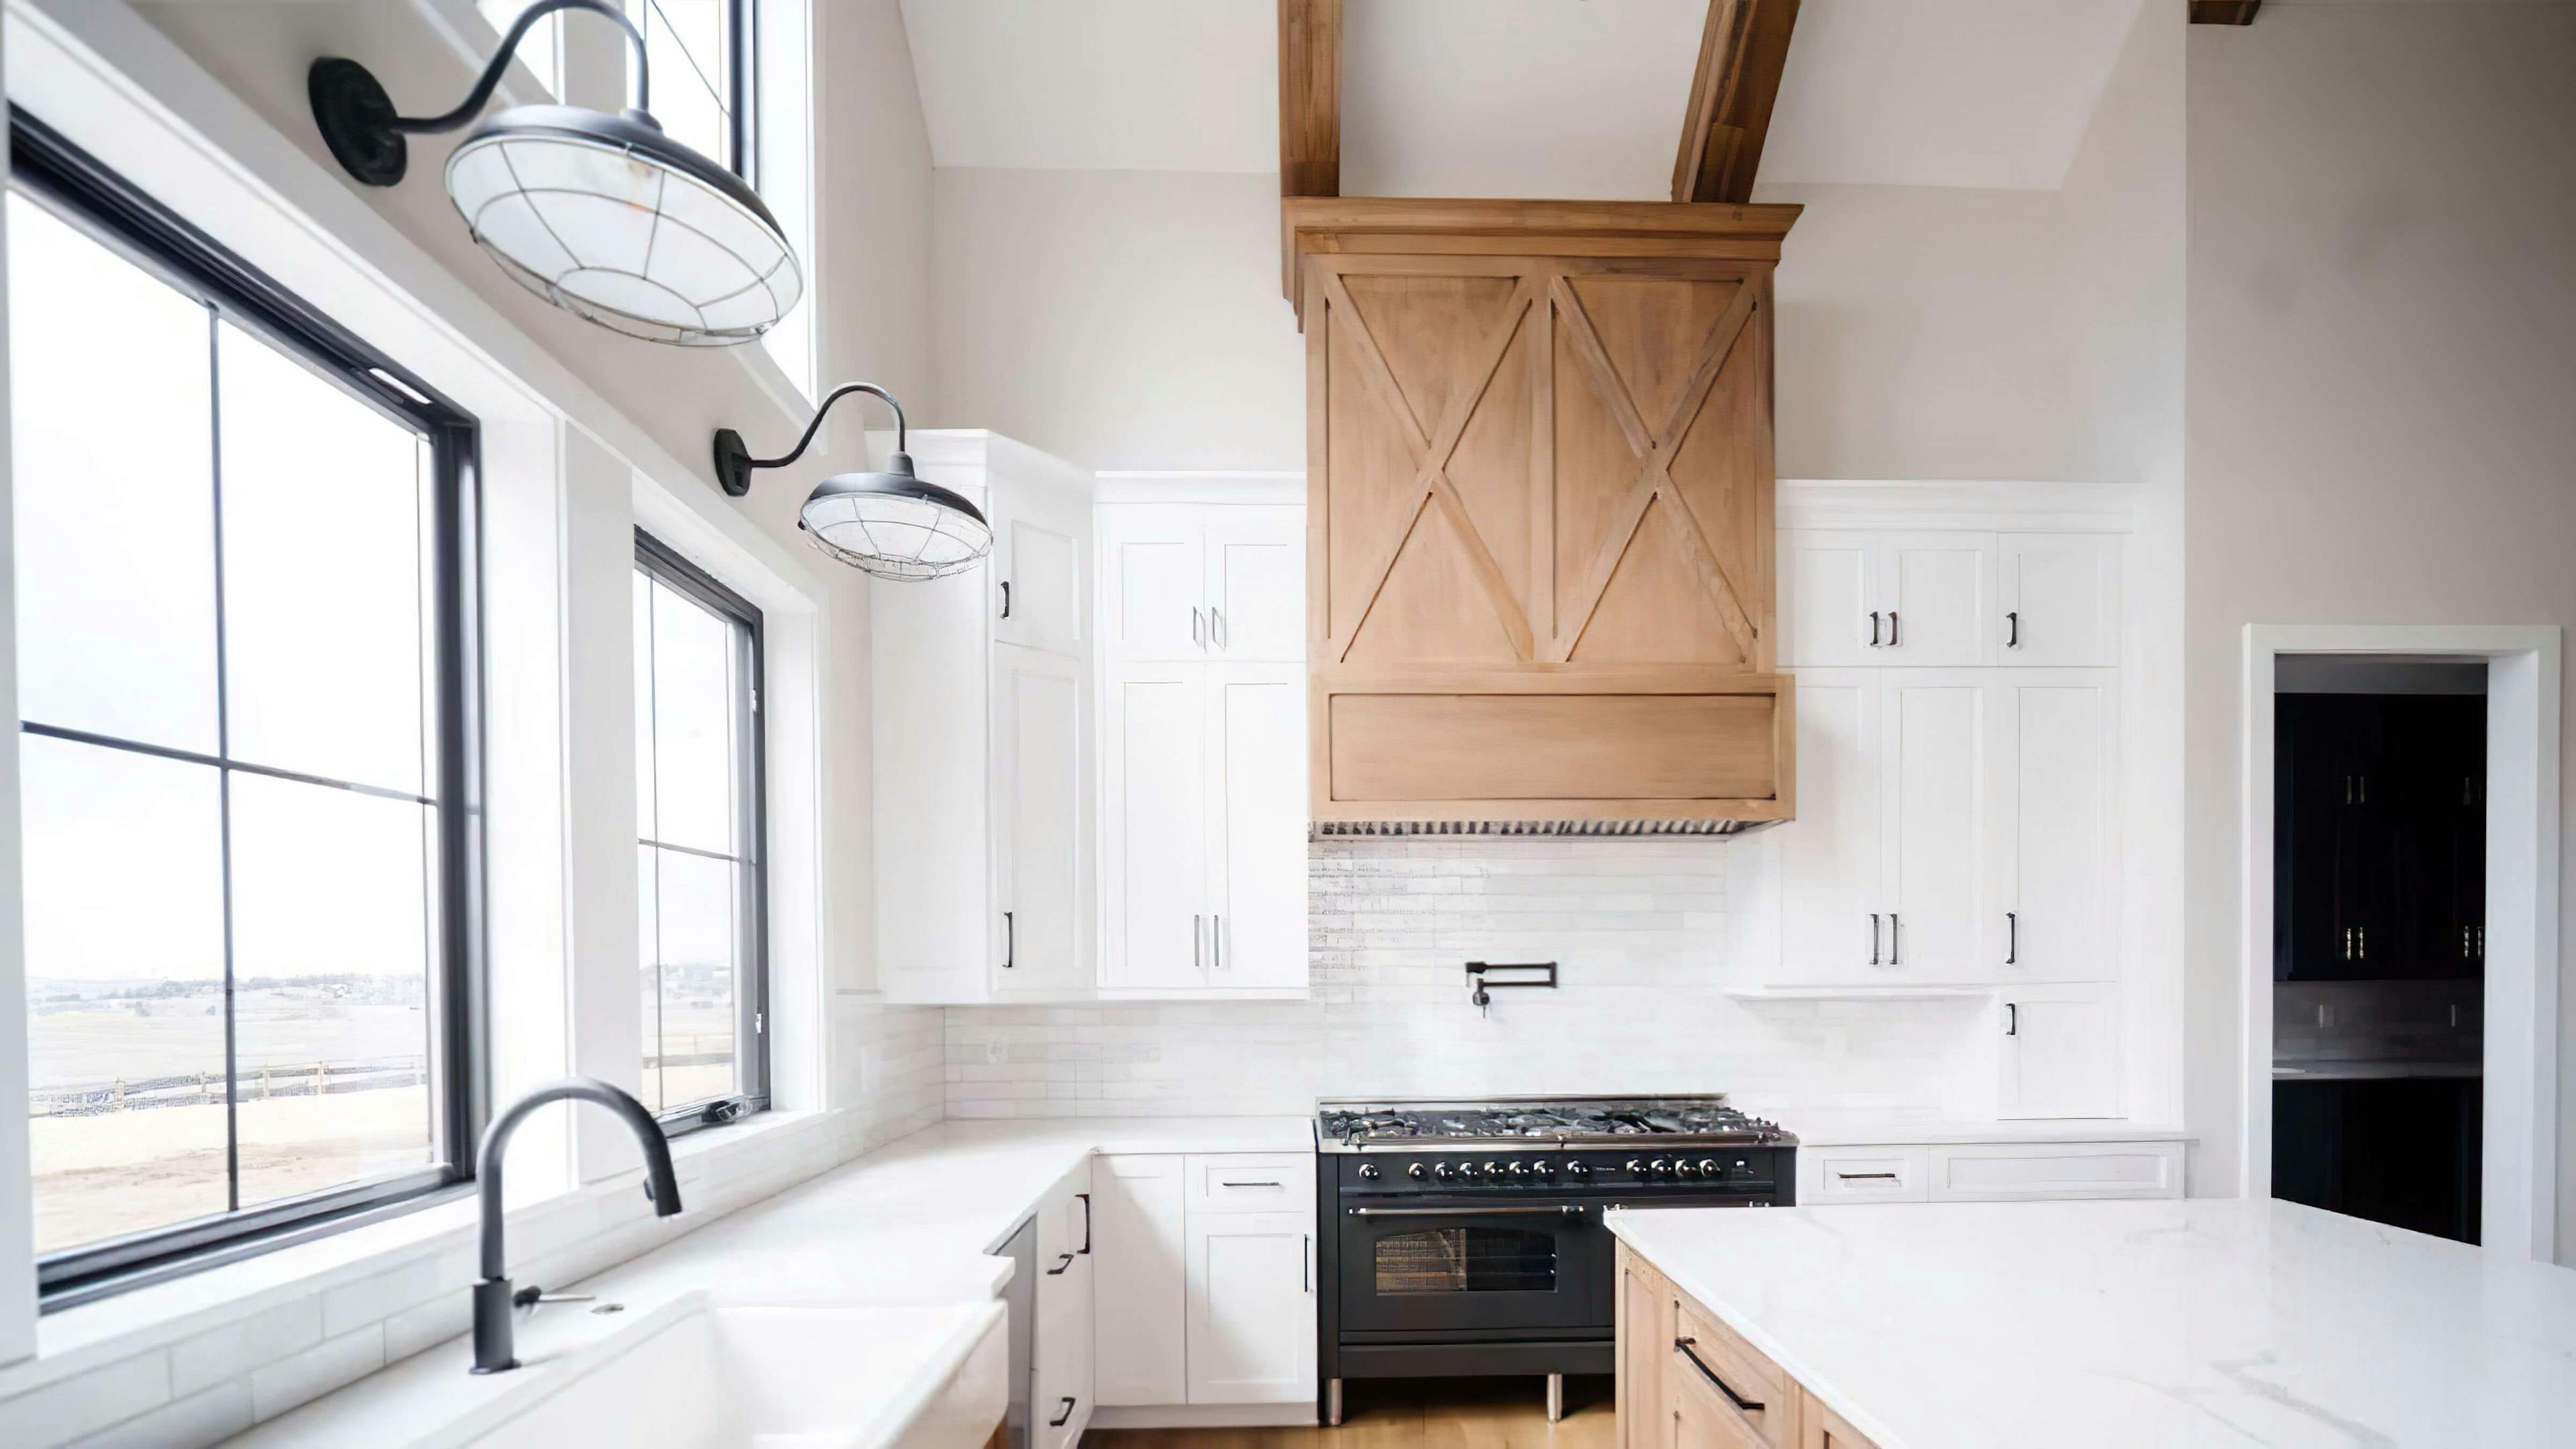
(2382, 348)
(1119, 319)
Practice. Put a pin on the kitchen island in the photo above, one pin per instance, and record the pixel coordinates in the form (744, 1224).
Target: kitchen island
(2164, 1324)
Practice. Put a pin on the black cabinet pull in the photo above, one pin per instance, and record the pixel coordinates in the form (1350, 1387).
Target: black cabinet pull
(2012, 939)
(1891, 629)
(1742, 1404)
(2012, 629)
(1086, 1220)
(1064, 1261)
(1060, 1420)
(1010, 942)
(1866, 1176)
(2012, 1018)
(1873, 938)
(1006, 598)
(1873, 628)
(1895, 939)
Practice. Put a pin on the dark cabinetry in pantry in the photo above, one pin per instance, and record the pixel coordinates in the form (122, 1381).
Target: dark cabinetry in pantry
(2380, 824)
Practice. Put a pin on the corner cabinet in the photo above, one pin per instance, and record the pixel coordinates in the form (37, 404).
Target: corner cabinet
(1203, 750)
(1540, 510)
(981, 742)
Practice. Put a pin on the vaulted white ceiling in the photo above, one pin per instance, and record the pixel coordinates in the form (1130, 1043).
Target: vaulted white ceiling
(1567, 98)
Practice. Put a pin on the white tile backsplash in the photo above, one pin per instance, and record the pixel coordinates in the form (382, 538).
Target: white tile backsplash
(1637, 930)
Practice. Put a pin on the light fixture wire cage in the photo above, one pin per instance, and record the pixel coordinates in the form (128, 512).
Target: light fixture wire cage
(907, 538)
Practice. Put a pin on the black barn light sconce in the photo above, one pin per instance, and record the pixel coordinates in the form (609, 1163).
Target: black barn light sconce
(604, 216)
(890, 524)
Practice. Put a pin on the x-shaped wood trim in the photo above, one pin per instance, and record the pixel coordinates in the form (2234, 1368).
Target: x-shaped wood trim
(1430, 452)
(1654, 449)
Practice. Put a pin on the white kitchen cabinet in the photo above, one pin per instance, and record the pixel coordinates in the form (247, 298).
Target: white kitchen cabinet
(1042, 843)
(1832, 1176)
(1827, 590)
(1828, 875)
(1203, 750)
(1937, 791)
(1062, 1401)
(2026, 1171)
(981, 737)
(1140, 1297)
(1938, 589)
(2060, 599)
(1251, 1307)
(2057, 733)
(2061, 1052)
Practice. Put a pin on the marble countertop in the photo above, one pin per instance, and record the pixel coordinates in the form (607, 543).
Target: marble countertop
(2203, 1322)
(915, 1222)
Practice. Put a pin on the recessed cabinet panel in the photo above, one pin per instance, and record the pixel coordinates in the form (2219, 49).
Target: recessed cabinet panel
(1829, 864)
(1252, 1308)
(1826, 601)
(1140, 1301)
(1041, 940)
(1154, 573)
(1938, 821)
(1038, 577)
(2061, 1052)
(1154, 837)
(1257, 884)
(2057, 732)
(2059, 594)
(1938, 592)
(1256, 583)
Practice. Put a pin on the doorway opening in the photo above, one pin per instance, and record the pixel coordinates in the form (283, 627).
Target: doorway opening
(2399, 955)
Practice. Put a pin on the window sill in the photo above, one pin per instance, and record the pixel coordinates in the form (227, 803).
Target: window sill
(89, 1335)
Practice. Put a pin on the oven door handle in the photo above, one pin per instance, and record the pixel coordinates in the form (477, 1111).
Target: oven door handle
(1566, 1210)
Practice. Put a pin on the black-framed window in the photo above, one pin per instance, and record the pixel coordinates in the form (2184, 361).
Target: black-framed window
(705, 74)
(701, 846)
(245, 638)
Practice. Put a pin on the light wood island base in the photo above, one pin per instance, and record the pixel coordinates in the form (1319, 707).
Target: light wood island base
(1687, 1381)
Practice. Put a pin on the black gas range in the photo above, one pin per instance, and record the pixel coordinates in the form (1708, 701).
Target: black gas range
(1465, 1237)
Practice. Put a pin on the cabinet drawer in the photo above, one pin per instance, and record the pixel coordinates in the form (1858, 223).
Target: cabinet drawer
(1864, 1174)
(1248, 1182)
(2001, 1172)
(1706, 1350)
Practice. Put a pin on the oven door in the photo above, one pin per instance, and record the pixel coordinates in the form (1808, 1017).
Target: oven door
(1415, 1267)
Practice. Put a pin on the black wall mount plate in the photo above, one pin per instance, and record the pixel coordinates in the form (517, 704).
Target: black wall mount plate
(733, 463)
(357, 121)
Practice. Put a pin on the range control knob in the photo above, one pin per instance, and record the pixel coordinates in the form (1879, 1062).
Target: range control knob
(1493, 1169)
(1369, 1172)
(1443, 1171)
(1660, 1168)
(1467, 1169)
(1417, 1172)
(1578, 1170)
(1708, 1168)
(1520, 1169)
(1543, 1169)
(1684, 1167)
(1743, 1168)
(1635, 1168)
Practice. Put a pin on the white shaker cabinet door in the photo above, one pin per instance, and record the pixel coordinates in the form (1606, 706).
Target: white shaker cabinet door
(1154, 829)
(1829, 855)
(1140, 1295)
(1938, 591)
(1153, 572)
(2060, 598)
(1938, 818)
(1257, 824)
(1252, 1308)
(1043, 932)
(1826, 600)
(1256, 582)
(2056, 735)
(2061, 1052)
(1040, 572)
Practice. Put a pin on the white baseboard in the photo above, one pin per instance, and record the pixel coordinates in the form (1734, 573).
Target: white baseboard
(1201, 1416)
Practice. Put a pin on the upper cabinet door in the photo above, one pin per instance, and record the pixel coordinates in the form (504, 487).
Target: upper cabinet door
(1939, 818)
(2059, 599)
(1938, 592)
(2056, 733)
(1041, 549)
(1042, 937)
(1153, 596)
(1256, 582)
(1825, 601)
(1153, 839)
(1257, 803)
(1829, 855)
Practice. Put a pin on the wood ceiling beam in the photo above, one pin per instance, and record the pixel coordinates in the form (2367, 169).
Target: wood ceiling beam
(1742, 50)
(2224, 12)
(1310, 97)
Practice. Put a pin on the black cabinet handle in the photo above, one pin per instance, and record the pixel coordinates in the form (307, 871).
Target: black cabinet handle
(1010, 941)
(1895, 939)
(1866, 1176)
(1742, 1404)
(1063, 1262)
(1086, 1220)
(1006, 598)
(1891, 628)
(2012, 1018)
(2012, 629)
(1060, 1420)
(1873, 938)
(2012, 939)
(1306, 1259)
(1873, 628)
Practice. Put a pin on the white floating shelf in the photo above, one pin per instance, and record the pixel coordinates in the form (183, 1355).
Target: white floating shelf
(1856, 992)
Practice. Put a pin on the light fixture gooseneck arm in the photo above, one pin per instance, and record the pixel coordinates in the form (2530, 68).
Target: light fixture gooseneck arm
(484, 85)
(734, 462)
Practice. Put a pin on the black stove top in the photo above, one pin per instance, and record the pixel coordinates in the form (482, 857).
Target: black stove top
(1352, 1125)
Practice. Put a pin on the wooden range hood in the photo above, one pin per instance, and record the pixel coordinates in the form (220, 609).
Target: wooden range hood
(1540, 575)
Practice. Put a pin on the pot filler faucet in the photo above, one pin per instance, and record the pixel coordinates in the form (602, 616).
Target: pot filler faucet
(493, 1298)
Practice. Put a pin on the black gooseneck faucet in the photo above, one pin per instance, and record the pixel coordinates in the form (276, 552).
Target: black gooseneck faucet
(493, 1298)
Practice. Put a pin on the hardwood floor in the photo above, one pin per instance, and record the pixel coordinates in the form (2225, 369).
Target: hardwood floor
(1499, 1413)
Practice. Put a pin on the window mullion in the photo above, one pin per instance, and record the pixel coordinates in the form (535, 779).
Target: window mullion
(223, 753)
